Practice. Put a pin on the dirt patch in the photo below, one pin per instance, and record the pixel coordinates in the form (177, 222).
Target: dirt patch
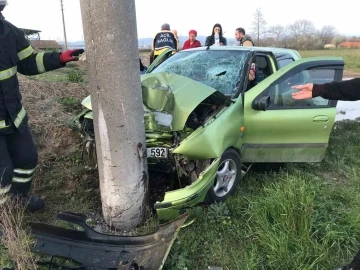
(64, 140)
(145, 59)
(350, 74)
(48, 118)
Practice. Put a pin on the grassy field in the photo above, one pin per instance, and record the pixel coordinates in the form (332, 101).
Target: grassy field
(305, 216)
(351, 57)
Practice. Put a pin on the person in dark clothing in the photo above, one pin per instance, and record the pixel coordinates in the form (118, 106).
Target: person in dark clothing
(18, 155)
(143, 68)
(242, 38)
(345, 90)
(216, 38)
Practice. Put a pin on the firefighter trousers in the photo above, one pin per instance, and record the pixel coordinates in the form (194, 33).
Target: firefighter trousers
(18, 159)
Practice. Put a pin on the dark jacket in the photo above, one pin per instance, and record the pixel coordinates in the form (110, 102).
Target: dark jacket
(346, 90)
(210, 40)
(17, 55)
(246, 40)
(164, 40)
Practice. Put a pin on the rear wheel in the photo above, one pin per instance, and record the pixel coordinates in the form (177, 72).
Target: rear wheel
(227, 177)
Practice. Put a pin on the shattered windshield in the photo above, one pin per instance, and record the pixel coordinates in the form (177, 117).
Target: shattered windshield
(219, 69)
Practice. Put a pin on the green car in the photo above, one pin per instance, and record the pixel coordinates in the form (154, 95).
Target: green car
(206, 123)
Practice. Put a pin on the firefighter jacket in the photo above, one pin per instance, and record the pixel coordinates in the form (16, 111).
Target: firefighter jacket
(17, 55)
(164, 40)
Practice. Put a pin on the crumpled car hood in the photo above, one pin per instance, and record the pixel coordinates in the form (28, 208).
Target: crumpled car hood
(169, 99)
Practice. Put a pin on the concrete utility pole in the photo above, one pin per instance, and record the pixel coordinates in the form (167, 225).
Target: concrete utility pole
(113, 64)
(63, 19)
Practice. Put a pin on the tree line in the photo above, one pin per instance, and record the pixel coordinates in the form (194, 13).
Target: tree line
(300, 35)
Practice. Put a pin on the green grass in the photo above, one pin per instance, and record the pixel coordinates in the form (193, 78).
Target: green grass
(70, 73)
(351, 57)
(306, 216)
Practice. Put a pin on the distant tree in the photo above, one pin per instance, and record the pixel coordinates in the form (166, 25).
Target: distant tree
(301, 28)
(258, 25)
(353, 38)
(303, 34)
(278, 32)
(338, 39)
(327, 34)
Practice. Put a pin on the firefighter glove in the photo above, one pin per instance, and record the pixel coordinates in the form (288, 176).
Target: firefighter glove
(70, 55)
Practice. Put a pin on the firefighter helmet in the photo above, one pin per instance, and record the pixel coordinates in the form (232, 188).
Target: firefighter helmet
(3, 3)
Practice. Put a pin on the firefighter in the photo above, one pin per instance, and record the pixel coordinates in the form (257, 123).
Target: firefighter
(18, 155)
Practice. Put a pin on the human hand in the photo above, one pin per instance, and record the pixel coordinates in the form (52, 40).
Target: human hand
(70, 55)
(252, 75)
(305, 91)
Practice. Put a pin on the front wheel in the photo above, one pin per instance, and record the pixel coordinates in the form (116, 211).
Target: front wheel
(227, 177)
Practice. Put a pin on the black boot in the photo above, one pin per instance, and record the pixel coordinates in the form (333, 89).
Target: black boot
(32, 203)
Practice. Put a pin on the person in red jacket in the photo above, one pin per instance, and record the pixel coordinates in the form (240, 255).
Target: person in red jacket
(345, 90)
(192, 42)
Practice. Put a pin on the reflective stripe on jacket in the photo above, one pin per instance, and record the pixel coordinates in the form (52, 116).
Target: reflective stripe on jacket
(17, 55)
(164, 40)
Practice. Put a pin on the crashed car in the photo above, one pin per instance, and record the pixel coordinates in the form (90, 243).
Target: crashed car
(206, 123)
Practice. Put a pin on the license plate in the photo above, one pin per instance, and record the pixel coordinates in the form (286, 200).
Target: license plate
(157, 152)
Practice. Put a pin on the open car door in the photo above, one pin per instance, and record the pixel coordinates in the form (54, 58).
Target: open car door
(161, 58)
(281, 129)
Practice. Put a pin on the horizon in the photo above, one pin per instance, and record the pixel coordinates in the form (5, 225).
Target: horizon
(26, 14)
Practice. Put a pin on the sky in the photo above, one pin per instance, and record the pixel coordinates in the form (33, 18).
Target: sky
(201, 15)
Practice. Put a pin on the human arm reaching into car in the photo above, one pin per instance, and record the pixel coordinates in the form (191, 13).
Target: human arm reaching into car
(345, 90)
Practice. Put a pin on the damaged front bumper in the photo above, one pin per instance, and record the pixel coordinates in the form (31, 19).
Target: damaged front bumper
(185, 200)
(95, 250)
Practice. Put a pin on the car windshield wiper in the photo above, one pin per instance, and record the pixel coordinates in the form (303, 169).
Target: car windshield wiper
(221, 73)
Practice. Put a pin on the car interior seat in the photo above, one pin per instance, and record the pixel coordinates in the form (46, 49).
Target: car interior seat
(262, 68)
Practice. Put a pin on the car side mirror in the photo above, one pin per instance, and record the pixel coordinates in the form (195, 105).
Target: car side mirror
(262, 103)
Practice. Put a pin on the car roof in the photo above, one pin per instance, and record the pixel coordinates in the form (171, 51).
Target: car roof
(277, 51)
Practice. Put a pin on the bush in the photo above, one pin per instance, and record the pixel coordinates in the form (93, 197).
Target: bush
(75, 76)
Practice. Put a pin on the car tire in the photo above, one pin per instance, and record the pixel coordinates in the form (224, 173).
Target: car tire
(227, 177)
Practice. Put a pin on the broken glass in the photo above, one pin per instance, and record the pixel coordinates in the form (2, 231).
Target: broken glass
(219, 69)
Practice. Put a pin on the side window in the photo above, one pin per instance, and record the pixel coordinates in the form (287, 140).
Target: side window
(283, 62)
(280, 93)
(263, 68)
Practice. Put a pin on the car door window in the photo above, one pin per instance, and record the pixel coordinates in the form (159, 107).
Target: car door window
(280, 93)
(263, 68)
(283, 62)
(283, 59)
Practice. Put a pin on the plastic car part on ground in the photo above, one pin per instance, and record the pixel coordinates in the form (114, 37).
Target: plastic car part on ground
(95, 250)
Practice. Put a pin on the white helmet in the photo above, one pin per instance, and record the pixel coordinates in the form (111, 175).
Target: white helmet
(3, 3)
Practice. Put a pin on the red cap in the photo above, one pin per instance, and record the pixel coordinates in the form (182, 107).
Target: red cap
(193, 32)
